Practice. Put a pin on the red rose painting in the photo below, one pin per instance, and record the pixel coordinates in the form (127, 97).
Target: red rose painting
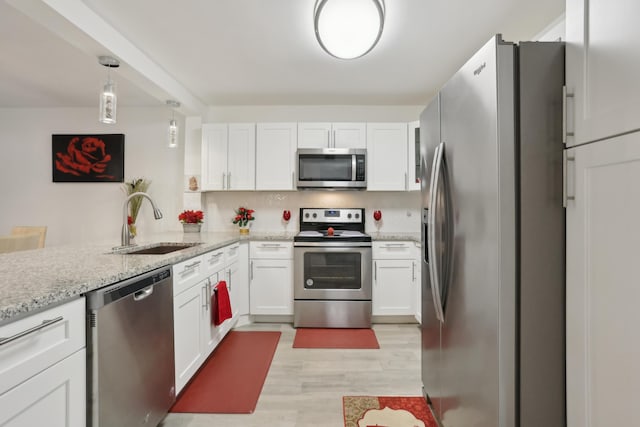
(88, 158)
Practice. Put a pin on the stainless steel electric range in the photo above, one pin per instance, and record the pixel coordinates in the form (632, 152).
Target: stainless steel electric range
(332, 270)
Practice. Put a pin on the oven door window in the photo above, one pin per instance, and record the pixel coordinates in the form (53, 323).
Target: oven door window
(325, 168)
(324, 270)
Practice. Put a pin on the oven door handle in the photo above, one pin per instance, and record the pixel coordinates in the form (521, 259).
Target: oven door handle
(327, 244)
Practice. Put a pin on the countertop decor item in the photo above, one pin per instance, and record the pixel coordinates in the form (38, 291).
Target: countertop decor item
(242, 218)
(136, 185)
(191, 221)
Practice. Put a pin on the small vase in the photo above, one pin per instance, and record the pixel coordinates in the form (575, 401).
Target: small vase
(244, 230)
(191, 228)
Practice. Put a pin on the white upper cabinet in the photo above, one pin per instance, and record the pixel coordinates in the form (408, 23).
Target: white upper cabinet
(603, 65)
(413, 165)
(276, 145)
(603, 207)
(228, 156)
(332, 135)
(386, 156)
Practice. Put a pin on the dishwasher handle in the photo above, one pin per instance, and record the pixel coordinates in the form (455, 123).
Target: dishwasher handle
(140, 295)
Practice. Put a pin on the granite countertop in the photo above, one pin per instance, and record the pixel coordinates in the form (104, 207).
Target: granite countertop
(34, 280)
(37, 279)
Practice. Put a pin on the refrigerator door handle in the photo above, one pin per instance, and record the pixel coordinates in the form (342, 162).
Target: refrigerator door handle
(431, 244)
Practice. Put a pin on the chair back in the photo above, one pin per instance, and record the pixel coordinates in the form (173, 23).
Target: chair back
(19, 243)
(24, 230)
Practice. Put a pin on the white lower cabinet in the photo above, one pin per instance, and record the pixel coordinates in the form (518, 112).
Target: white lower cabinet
(271, 278)
(190, 313)
(195, 335)
(394, 279)
(43, 369)
(55, 397)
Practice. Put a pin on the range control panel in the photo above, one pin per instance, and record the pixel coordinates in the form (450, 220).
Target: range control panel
(330, 216)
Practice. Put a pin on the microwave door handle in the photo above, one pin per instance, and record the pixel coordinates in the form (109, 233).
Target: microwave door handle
(353, 167)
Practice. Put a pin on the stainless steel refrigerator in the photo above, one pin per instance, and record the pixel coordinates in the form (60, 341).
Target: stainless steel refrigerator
(493, 240)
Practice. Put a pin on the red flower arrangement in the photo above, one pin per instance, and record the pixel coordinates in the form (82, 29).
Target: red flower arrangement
(243, 216)
(191, 217)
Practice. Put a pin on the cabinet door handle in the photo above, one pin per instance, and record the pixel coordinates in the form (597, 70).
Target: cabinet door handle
(44, 324)
(406, 182)
(565, 179)
(224, 177)
(293, 179)
(413, 271)
(375, 271)
(229, 279)
(565, 132)
(229, 181)
(251, 270)
(205, 304)
(271, 245)
(334, 139)
(394, 245)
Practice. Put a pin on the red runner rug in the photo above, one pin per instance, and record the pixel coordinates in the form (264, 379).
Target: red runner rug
(386, 411)
(231, 380)
(335, 338)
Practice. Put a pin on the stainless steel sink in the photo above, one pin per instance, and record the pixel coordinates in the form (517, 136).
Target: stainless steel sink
(157, 249)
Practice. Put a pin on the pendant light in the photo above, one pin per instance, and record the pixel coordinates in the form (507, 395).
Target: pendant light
(348, 29)
(108, 97)
(173, 125)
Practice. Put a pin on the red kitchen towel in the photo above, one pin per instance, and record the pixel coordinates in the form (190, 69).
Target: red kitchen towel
(220, 303)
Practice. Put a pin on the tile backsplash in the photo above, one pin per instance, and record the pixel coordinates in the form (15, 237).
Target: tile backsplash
(400, 210)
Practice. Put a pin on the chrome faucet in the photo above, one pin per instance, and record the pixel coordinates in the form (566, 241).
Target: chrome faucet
(125, 227)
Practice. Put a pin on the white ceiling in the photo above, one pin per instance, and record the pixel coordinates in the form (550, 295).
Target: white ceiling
(241, 52)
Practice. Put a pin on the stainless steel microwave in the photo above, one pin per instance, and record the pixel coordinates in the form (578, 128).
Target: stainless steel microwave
(332, 168)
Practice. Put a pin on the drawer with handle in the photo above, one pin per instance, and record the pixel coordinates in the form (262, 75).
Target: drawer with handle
(232, 253)
(271, 250)
(214, 261)
(393, 250)
(187, 273)
(32, 344)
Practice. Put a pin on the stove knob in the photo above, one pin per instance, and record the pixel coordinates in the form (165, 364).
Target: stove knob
(315, 216)
(357, 215)
(349, 216)
(306, 215)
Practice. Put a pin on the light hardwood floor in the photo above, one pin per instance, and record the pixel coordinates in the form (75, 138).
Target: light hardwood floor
(304, 387)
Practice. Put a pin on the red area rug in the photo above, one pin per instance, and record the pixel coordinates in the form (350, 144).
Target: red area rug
(386, 411)
(231, 380)
(335, 338)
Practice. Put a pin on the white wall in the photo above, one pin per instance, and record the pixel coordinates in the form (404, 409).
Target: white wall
(78, 213)
(555, 31)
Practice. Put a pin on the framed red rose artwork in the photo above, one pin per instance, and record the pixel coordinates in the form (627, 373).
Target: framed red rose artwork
(88, 158)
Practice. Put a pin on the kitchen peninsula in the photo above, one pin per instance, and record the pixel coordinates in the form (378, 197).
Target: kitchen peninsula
(34, 280)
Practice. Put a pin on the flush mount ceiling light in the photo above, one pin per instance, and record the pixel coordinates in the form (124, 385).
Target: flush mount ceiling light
(173, 125)
(108, 97)
(348, 29)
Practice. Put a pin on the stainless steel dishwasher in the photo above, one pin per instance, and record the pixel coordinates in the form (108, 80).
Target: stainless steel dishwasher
(130, 366)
